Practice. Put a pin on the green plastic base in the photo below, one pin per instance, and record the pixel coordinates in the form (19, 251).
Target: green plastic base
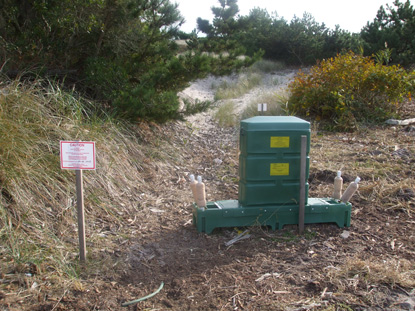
(231, 214)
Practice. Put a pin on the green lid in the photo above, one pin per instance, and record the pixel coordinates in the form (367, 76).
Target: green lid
(275, 123)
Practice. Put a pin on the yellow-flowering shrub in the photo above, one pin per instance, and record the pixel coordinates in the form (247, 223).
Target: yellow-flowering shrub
(350, 89)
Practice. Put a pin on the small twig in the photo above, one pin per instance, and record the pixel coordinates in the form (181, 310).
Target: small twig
(402, 289)
(236, 295)
(281, 292)
(4, 64)
(267, 275)
(59, 301)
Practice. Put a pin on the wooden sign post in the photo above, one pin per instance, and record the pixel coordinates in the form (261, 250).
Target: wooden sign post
(81, 214)
(78, 156)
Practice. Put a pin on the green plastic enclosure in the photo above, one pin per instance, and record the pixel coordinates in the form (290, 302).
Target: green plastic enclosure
(230, 213)
(269, 161)
(269, 181)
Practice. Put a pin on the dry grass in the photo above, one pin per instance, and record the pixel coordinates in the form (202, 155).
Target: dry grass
(275, 101)
(37, 203)
(244, 83)
(383, 158)
(226, 115)
(366, 273)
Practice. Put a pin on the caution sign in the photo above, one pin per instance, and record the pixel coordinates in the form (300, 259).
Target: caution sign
(280, 169)
(280, 142)
(77, 155)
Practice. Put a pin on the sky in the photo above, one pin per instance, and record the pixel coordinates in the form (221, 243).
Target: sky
(351, 15)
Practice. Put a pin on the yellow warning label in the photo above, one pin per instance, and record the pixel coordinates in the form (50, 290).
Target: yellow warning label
(280, 142)
(280, 169)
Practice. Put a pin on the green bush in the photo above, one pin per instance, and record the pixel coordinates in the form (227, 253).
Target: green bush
(348, 90)
(146, 103)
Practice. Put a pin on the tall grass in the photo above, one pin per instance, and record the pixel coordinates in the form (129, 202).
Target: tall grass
(276, 105)
(234, 89)
(36, 196)
(38, 230)
(247, 80)
(226, 115)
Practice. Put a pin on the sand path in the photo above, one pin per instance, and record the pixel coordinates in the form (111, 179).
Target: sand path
(204, 89)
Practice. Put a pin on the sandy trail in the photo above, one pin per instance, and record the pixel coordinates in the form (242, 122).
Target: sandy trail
(204, 89)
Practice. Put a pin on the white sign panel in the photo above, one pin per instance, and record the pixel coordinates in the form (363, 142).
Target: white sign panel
(262, 107)
(78, 155)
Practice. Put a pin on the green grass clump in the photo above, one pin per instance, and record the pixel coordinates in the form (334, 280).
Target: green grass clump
(267, 66)
(226, 115)
(350, 89)
(196, 106)
(276, 105)
(229, 90)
